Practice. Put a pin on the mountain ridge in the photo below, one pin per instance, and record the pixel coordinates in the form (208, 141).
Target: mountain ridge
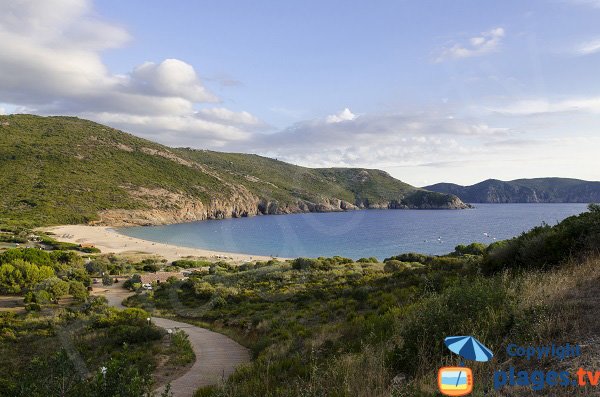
(532, 190)
(61, 169)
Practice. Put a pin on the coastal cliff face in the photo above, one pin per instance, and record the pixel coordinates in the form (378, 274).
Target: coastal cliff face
(187, 209)
(64, 170)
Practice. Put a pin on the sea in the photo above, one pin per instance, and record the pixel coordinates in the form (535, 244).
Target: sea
(358, 234)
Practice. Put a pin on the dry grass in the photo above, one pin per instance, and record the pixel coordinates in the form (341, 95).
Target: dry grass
(570, 295)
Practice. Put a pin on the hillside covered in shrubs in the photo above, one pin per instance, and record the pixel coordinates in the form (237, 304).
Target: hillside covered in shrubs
(337, 327)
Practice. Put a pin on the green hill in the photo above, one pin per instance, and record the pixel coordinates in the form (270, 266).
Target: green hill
(537, 190)
(67, 170)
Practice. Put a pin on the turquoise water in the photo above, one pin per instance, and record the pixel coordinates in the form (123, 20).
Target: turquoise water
(356, 234)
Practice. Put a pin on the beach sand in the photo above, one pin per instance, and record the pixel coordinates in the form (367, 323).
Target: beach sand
(109, 241)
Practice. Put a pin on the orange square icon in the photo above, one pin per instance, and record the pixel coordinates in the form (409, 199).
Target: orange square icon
(455, 381)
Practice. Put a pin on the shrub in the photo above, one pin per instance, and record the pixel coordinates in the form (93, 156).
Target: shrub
(77, 290)
(42, 297)
(107, 280)
(371, 259)
(97, 266)
(471, 249)
(55, 287)
(410, 257)
(546, 246)
(186, 263)
(180, 344)
(151, 267)
(309, 263)
(479, 307)
(33, 307)
(394, 265)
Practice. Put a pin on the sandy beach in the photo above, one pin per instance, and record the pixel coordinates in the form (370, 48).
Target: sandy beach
(109, 241)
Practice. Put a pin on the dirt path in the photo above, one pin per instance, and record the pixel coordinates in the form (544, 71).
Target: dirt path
(217, 356)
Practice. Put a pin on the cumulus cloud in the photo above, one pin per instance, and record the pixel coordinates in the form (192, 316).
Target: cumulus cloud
(171, 78)
(51, 64)
(589, 47)
(485, 43)
(344, 115)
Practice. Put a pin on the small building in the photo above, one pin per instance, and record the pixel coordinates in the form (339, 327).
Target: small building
(160, 277)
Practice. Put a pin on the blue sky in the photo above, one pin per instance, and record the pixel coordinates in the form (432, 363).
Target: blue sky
(428, 90)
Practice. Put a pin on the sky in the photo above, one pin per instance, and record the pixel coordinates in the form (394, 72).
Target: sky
(430, 91)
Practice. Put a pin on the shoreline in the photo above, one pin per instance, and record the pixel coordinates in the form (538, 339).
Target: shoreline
(108, 240)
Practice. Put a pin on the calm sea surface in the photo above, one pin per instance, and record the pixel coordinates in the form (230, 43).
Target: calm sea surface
(356, 234)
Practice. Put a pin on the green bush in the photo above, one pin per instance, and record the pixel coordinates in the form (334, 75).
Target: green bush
(107, 280)
(151, 267)
(97, 266)
(410, 257)
(546, 246)
(77, 290)
(371, 259)
(478, 307)
(394, 265)
(310, 264)
(186, 263)
(33, 307)
(54, 286)
(471, 249)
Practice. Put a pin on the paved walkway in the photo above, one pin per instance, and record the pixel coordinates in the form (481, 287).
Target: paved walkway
(217, 356)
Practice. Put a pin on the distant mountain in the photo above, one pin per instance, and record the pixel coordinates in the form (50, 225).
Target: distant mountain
(537, 190)
(68, 170)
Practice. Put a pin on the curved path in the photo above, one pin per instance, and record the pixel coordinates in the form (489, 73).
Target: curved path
(217, 356)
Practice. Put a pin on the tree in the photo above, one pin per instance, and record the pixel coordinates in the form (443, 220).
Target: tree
(79, 274)
(56, 287)
(107, 280)
(69, 258)
(19, 275)
(77, 290)
(96, 267)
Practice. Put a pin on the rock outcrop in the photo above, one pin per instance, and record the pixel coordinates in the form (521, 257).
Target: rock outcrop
(167, 207)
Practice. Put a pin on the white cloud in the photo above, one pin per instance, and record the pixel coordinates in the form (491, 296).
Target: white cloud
(230, 117)
(2, 111)
(378, 140)
(545, 106)
(176, 130)
(588, 48)
(170, 78)
(51, 63)
(485, 43)
(344, 115)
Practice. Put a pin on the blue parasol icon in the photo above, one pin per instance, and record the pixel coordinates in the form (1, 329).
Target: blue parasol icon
(468, 348)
